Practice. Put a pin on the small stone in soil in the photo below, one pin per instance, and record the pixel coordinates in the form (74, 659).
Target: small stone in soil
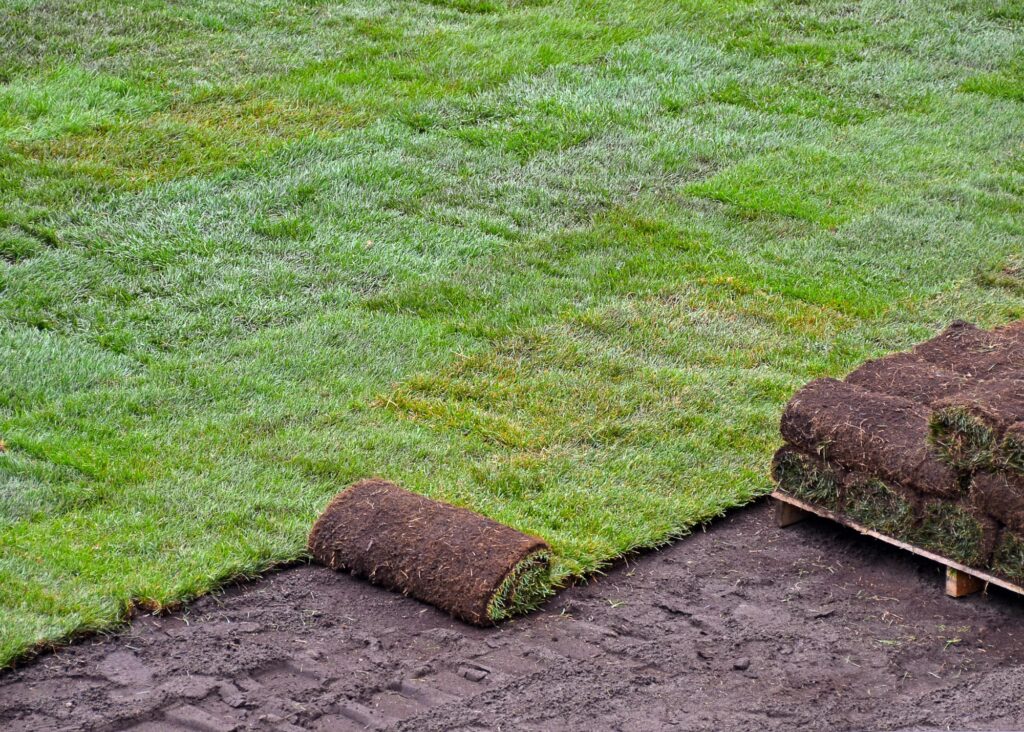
(473, 674)
(741, 664)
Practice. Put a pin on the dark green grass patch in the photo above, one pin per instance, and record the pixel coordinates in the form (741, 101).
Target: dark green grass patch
(952, 531)
(963, 439)
(880, 507)
(1006, 83)
(1008, 560)
(562, 263)
(808, 479)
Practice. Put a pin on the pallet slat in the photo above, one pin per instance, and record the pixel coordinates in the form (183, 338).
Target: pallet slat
(961, 580)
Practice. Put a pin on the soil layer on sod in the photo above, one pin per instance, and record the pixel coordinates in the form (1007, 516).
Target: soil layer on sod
(974, 352)
(477, 569)
(920, 446)
(909, 376)
(869, 432)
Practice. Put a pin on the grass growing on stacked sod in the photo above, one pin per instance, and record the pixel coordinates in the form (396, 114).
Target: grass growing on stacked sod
(561, 263)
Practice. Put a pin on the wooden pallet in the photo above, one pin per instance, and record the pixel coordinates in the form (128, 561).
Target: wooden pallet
(961, 580)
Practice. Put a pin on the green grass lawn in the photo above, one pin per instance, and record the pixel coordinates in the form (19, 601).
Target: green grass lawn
(560, 262)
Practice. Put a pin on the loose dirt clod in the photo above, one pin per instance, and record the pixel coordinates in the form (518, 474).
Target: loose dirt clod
(478, 570)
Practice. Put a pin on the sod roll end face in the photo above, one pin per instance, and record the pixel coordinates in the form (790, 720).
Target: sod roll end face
(1011, 451)
(476, 569)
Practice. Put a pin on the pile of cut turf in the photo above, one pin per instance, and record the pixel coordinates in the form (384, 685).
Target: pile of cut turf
(925, 446)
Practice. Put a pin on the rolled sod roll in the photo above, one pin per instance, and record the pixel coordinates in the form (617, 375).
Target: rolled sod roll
(967, 428)
(874, 434)
(971, 351)
(474, 568)
(809, 478)
(1001, 496)
(1008, 561)
(955, 529)
(909, 376)
(950, 528)
(1011, 449)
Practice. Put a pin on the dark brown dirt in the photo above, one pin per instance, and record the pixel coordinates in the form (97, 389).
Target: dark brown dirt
(908, 376)
(449, 557)
(744, 627)
(1000, 495)
(876, 434)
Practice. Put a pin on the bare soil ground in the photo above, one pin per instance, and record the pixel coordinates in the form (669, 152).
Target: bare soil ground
(742, 627)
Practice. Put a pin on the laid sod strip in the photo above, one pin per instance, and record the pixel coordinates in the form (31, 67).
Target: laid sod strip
(909, 376)
(1011, 450)
(868, 432)
(559, 262)
(967, 428)
(478, 570)
(1000, 495)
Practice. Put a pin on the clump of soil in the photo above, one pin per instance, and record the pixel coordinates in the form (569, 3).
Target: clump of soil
(925, 446)
(477, 569)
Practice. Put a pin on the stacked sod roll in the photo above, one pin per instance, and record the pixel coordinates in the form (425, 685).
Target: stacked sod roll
(925, 446)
